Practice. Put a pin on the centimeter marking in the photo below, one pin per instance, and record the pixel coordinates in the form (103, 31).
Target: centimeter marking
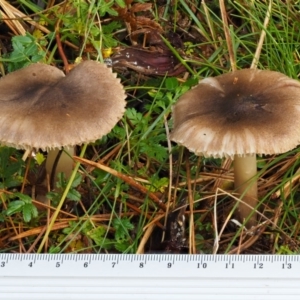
(150, 265)
(149, 276)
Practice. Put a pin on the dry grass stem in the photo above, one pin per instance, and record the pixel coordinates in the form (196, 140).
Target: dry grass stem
(228, 37)
(262, 37)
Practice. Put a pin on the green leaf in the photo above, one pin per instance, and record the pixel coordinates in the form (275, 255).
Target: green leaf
(37, 57)
(26, 49)
(77, 180)
(120, 3)
(9, 169)
(26, 210)
(2, 216)
(118, 132)
(171, 83)
(70, 229)
(122, 226)
(14, 207)
(34, 211)
(153, 149)
(111, 27)
(24, 198)
(122, 247)
(14, 57)
(17, 45)
(23, 205)
(22, 39)
(40, 158)
(31, 5)
(74, 195)
(134, 116)
(161, 183)
(98, 236)
(54, 249)
(156, 94)
(101, 176)
(30, 50)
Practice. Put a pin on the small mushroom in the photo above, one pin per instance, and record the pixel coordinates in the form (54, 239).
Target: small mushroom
(239, 115)
(44, 109)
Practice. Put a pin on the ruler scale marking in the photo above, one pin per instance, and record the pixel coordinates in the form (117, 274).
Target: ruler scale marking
(149, 276)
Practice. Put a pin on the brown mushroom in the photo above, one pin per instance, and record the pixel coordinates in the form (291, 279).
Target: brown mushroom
(44, 109)
(239, 115)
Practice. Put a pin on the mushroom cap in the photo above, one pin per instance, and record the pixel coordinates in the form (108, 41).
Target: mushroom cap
(240, 113)
(43, 108)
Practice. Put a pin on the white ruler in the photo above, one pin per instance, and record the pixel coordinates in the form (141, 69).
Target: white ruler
(157, 276)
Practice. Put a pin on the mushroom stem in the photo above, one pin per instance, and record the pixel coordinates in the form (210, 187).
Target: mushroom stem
(59, 163)
(245, 183)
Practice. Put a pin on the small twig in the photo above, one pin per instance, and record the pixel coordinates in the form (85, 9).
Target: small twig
(217, 239)
(147, 216)
(241, 237)
(285, 191)
(248, 243)
(61, 51)
(110, 154)
(36, 240)
(59, 44)
(210, 26)
(105, 158)
(39, 230)
(149, 228)
(144, 240)
(26, 174)
(262, 37)
(51, 208)
(218, 235)
(227, 35)
(192, 247)
(170, 173)
(128, 143)
(220, 178)
(123, 177)
(159, 216)
(26, 154)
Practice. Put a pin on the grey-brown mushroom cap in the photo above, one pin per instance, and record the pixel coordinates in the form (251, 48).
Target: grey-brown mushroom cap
(239, 113)
(42, 108)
